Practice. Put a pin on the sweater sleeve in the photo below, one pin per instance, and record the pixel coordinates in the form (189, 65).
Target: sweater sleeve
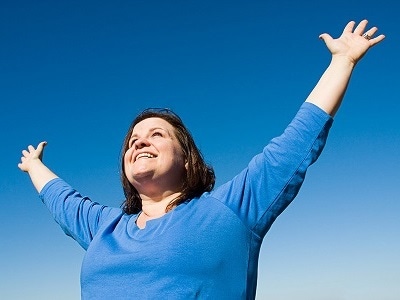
(78, 216)
(261, 192)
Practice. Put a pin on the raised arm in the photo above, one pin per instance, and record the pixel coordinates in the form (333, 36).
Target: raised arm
(31, 162)
(346, 51)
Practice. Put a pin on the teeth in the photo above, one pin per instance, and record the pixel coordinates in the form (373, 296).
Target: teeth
(148, 155)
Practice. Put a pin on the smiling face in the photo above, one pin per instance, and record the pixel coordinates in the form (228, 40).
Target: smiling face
(154, 158)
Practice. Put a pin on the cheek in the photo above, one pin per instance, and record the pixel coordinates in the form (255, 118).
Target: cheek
(128, 165)
(179, 158)
(127, 157)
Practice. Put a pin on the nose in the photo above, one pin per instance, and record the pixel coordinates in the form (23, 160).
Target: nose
(141, 143)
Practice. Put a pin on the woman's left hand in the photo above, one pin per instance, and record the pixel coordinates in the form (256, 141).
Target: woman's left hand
(352, 44)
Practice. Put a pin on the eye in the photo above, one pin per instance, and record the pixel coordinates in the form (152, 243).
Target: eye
(131, 143)
(157, 133)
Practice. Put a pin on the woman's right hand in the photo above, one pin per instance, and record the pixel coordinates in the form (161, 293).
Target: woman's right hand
(30, 155)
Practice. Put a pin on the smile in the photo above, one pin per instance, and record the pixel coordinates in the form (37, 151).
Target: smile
(144, 155)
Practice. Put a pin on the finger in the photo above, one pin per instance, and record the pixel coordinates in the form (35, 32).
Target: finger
(41, 145)
(376, 40)
(349, 27)
(40, 149)
(25, 153)
(361, 27)
(325, 37)
(21, 164)
(371, 31)
(31, 148)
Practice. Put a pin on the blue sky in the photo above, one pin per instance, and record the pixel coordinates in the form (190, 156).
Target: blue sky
(75, 73)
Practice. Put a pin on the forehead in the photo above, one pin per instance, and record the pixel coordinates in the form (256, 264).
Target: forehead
(151, 124)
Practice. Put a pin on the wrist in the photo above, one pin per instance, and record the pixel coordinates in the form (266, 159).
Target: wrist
(343, 61)
(35, 163)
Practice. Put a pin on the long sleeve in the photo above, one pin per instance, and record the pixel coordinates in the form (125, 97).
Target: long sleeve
(260, 193)
(78, 216)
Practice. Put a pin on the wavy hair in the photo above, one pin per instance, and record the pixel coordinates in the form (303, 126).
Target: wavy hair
(199, 177)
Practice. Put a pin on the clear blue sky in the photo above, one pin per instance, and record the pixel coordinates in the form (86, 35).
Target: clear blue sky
(75, 73)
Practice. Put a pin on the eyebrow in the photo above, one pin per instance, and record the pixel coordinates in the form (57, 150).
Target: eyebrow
(151, 130)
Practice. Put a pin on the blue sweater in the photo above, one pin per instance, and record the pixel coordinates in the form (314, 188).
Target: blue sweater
(207, 247)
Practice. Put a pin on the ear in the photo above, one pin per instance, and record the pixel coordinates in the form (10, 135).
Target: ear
(186, 165)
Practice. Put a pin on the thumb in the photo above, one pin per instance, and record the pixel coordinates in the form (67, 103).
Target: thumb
(40, 148)
(325, 37)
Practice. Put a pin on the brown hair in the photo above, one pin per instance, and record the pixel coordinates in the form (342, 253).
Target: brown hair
(199, 177)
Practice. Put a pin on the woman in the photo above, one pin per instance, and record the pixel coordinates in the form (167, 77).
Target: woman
(176, 237)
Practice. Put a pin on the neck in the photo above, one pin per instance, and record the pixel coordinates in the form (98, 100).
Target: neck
(153, 208)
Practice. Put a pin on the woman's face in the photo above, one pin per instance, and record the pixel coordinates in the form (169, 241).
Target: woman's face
(154, 156)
